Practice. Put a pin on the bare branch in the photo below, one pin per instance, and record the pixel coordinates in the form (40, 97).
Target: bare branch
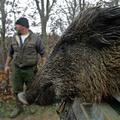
(38, 7)
(49, 7)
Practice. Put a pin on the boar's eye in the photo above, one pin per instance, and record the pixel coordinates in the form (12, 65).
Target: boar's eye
(63, 47)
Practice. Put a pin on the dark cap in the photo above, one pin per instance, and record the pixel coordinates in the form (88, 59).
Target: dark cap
(23, 21)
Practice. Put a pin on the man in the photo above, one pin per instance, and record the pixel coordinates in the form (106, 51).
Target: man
(24, 50)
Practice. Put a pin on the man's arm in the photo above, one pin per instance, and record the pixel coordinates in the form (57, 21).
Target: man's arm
(7, 65)
(41, 50)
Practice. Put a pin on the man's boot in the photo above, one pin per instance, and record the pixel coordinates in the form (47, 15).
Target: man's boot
(17, 110)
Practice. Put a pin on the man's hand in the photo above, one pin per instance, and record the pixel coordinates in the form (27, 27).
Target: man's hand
(43, 60)
(41, 63)
(7, 70)
(7, 67)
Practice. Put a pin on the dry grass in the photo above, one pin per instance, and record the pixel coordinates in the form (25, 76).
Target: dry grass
(33, 112)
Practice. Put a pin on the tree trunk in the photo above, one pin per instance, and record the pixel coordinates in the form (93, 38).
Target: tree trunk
(3, 22)
(82, 4)
(44, 33)
(114, 2)
(44, 9)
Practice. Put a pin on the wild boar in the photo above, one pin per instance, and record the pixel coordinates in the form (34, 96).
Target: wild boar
(85, 62)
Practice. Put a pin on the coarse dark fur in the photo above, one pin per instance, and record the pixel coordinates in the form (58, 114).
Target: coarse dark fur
(85, 63)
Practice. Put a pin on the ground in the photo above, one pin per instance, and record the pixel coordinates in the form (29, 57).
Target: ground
(32, 112)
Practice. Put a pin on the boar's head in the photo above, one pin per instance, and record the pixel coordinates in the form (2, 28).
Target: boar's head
(85, 62)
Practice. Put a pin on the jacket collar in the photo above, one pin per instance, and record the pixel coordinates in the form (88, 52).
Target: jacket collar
(17, 37)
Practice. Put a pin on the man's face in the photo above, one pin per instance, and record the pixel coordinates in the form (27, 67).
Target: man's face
(19, 28)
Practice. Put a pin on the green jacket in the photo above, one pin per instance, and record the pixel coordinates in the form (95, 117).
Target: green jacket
(26, 54)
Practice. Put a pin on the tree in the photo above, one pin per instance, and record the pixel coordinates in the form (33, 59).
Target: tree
(3, 30)
(71, 10)
(66, 12)
(5, 24)
(109, 3)
(64, 15)
(44, 9)
(115, 2)
(81, 4)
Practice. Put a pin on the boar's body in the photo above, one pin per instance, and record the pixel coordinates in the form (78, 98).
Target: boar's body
(85, 63)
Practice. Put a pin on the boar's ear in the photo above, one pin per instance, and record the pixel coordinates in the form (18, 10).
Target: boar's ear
(98, 40)
(104, 26)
